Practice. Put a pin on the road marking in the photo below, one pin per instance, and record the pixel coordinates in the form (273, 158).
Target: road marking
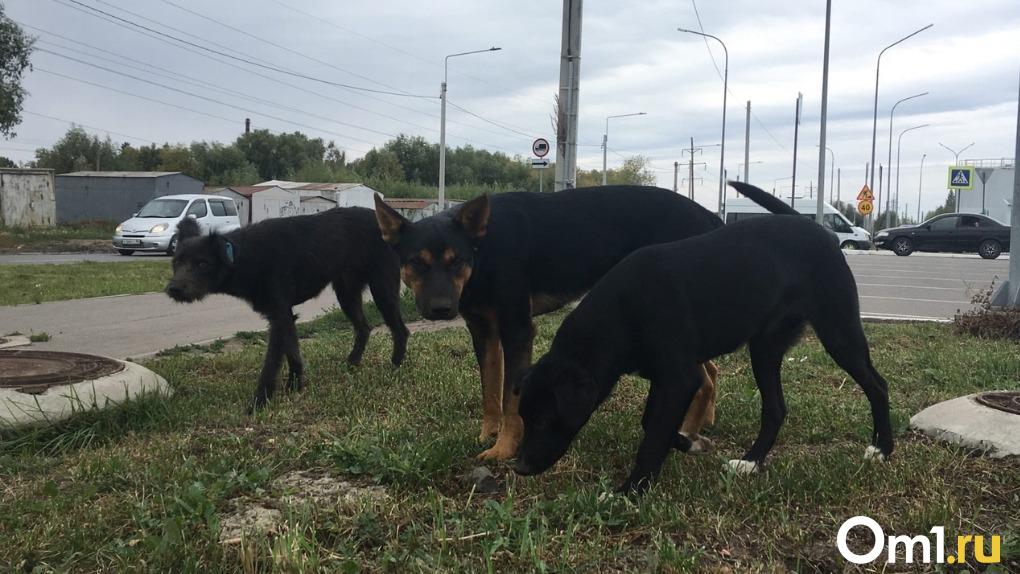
(895, 316)
(909, 286)
(915, 300)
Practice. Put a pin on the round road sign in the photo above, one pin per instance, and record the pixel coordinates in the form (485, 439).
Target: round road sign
(540, 148)
(865, 207)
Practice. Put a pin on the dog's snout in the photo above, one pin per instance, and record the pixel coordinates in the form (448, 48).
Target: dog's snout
(441, 306)
(174, 290)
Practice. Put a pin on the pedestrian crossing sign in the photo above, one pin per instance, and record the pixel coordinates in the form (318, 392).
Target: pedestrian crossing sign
(961, 177)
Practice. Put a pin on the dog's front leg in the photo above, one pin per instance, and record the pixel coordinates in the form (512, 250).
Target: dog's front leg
(484, 329)
(517, 335)
(271, 363)
(668, 401)
(292, 349)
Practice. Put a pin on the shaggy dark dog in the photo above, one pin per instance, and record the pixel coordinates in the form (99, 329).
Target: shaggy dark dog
(666, 309)
(279, 263)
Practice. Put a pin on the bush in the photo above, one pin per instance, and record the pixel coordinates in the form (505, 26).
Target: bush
(988, 322)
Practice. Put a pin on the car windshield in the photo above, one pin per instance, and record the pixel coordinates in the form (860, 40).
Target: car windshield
(163, 208)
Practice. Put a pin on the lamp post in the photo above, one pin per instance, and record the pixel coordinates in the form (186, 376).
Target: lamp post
(874, 123)
(920, 178)
(605, 141)
(899, 142)
(956, 161)
(889, 158)
(722, 149)
(442, 124)
(832, 169)
(740, 165)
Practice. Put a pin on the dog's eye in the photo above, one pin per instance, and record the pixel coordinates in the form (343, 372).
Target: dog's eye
(203, 265)
(456, 264)
(418, 264)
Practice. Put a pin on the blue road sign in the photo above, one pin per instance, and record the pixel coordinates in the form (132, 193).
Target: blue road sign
(961, 177)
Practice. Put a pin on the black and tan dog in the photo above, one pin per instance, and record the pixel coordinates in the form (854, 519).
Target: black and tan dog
(667, 308)
(279, 263)
(500, 261)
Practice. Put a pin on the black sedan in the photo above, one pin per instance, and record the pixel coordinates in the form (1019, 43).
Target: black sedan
(959, 232)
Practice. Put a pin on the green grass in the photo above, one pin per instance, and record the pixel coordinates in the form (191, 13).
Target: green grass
(143, 487)
(70, 237)
(52, 282)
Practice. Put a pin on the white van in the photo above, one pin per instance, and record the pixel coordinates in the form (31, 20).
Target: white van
(154, 228)
(850, 236)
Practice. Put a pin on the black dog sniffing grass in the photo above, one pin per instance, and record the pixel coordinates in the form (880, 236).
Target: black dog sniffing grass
(279, 263)
(665, 309)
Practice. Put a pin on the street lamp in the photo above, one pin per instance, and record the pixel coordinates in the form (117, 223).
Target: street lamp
(740, 165)
(442, 124)
(605, 141)
(874, 124)
(726, 76)
(832, 169)
(956, 161)
(899, 141)
(889, 159)
(920, 178)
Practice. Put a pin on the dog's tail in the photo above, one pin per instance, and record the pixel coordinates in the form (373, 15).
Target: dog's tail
(764, 198)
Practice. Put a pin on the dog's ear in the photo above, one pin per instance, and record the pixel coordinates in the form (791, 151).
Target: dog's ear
(225, 248)
(391, 223)
(576, 395)
(473, 216)
(187, 229)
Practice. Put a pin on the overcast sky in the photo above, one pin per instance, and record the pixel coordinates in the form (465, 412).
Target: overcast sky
(633, 60)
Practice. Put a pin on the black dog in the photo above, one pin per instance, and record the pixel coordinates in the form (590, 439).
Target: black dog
(667, 308)
(279, 263)
(502, 260)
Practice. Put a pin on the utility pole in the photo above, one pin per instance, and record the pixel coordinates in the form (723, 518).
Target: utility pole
(839, 183)
(690, 179)
(676, 170)
(874, 220)
(1008, 294)
(570, 81)
(825, 108)
(747, 142)
(796, 131)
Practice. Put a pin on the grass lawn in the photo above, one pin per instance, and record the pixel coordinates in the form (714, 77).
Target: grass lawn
(71, 237)
(51, 282)
(144, 487)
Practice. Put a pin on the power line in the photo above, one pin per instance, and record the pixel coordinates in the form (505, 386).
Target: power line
(269, 78)
(232, 121)
(242, 59)
(720, 74)
(87, 126)
(493, 122)
(225, 104)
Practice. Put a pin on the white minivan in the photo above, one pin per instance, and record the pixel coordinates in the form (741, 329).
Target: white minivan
(850, 236)
(154, 227)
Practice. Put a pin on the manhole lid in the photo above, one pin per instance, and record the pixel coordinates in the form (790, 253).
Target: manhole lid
(35, 371)
(1008, 401)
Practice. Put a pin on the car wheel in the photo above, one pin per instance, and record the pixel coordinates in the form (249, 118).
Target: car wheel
(902, 246)
(125, 252)
(848, 245)
(989, 249)
(173, 246)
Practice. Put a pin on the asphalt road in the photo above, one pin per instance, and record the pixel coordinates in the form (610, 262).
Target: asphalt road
(38, 258)
(917, 287)
(921, 286)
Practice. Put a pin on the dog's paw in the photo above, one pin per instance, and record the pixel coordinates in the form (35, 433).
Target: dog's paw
(701, 445)
(740, 466)
(874, 453)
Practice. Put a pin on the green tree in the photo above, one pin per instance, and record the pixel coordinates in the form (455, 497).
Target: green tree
(7, 162)
(634, 171)
(280, 156)
(15, 48)
(78, 151)
(949, 206)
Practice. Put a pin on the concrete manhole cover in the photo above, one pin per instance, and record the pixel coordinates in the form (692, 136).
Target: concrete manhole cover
(1008, 401)
(35, 371)
(43, 387)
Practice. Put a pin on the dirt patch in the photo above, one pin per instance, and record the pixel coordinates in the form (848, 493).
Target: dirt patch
(60, 246)
(312, 488)
(426, 326)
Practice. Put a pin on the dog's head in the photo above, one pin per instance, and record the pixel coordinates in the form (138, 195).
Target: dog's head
(558, 397)
(436, 254)
(201, 264)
